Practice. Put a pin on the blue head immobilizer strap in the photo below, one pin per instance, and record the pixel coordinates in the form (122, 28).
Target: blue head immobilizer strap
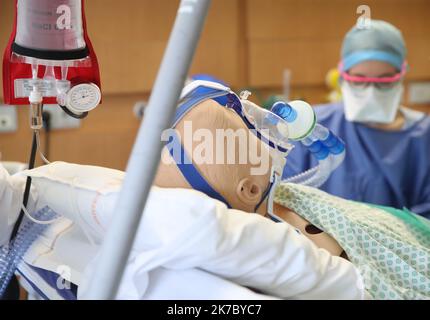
(265, 194)
(199, 96)
(233, 102)
(189, 171)
(184, 163)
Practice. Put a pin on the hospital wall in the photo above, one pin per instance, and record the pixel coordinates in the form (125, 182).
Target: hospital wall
(248, 43)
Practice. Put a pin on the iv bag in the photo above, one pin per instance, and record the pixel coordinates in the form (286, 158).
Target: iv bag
(49, 41)
(50, 29)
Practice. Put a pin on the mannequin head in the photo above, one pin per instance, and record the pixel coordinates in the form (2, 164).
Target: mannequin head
(235, 163)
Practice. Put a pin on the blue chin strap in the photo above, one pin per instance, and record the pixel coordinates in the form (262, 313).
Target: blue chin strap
(190, 172)
(184, 163)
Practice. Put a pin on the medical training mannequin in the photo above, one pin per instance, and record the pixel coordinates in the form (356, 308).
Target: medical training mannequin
(235, 181)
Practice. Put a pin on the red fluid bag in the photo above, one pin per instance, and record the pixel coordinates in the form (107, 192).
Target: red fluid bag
(49, 46)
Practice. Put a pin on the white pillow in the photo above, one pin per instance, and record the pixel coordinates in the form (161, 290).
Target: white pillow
(84, 194)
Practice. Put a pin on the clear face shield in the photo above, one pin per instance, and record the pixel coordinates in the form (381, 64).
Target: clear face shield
(268, 126)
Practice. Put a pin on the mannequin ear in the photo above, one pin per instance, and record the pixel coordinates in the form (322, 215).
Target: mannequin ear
(248, 191)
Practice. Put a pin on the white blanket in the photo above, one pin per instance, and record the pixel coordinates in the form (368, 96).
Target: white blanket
(184, 235)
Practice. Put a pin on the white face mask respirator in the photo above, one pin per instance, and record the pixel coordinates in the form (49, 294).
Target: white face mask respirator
(371, 104)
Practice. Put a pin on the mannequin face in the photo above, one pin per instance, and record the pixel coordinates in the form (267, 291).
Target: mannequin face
(317, 236)
(237, 164)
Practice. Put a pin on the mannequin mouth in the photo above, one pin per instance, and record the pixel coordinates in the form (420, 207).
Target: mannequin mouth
(311, 229)
(344, 255)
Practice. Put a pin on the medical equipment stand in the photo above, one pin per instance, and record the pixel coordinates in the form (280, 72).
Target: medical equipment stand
(145, 156)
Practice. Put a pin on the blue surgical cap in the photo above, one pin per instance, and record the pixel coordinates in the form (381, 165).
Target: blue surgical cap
(380, 41)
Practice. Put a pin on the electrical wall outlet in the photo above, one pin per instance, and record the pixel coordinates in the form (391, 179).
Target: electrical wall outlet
(419, 92)
(59, 119)
(8, 119)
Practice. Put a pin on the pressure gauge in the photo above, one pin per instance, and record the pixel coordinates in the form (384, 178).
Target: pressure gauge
(83, 97)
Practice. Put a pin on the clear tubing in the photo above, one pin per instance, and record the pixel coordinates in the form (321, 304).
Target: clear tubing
(34, 70)
(32, 219)
(49, 73)
(42, 156)
(304, 176)
(64, 72)
(321, 175)
(328, 150)
(36, 118)
(321, 133)
(314, 177)
(327, 167)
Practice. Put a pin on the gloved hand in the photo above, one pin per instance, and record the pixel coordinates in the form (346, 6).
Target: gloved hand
(11, 196)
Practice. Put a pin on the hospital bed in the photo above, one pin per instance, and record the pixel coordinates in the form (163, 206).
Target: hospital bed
(204, 250)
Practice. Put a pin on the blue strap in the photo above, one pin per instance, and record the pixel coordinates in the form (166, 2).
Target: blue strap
(189, 171)
(252, 128)
(197, 97)
(274, 219)
(194, 99)
(264, 196)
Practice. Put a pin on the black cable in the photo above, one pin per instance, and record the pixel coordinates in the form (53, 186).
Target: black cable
(47, 125)
(31, 164)
(12, 290)
(74, 115)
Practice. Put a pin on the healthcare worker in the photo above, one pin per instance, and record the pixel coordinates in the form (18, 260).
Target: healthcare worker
(388, 145)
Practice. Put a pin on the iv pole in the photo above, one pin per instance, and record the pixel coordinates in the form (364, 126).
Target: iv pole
(145, 156)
